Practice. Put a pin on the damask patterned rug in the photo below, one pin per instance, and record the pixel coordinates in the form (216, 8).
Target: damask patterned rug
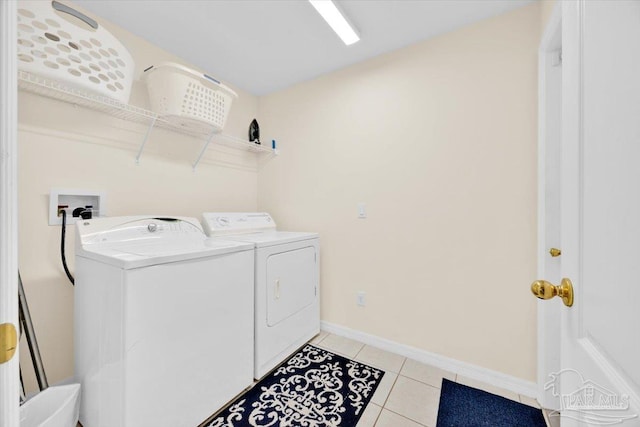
(313, 388)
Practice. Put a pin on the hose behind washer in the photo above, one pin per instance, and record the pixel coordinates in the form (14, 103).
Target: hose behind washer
(62, 238)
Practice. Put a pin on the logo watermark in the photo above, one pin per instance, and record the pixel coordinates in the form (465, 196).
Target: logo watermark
(589, 402)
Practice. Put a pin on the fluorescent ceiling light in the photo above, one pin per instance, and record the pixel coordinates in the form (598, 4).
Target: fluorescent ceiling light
(336, 20)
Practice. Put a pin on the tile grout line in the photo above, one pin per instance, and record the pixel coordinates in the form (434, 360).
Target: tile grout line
(382, 408)
(359, 351)
(405, 417)
(377, 416)
(399, 372)
(322, 339)
(327, 348)
(404, 362)
(421, 382)
(386, 399)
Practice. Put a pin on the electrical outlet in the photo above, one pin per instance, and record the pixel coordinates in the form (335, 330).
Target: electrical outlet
(361, 298)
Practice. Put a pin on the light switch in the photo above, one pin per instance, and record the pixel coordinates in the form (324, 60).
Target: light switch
(362, 211)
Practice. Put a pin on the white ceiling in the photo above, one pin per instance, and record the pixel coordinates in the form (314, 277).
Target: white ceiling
(265, 45)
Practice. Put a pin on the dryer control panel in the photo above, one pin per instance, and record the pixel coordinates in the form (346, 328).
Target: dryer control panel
(221, 223)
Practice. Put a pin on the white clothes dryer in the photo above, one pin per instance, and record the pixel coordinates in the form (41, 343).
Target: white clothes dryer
(163, 321)
(287, 308)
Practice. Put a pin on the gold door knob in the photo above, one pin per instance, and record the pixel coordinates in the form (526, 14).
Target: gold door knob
(8, 342)
(554, 252)
(545, 290)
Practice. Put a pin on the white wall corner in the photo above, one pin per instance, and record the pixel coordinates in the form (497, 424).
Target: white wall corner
(498, 379)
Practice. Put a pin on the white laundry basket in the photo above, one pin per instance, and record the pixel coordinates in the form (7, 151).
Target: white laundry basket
(188, 98)
(60, 43)
(56, 406)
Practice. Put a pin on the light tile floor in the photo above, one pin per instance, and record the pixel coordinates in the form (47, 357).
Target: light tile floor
(409, 393)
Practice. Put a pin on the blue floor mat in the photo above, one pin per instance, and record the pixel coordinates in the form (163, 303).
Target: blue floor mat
(463, 406)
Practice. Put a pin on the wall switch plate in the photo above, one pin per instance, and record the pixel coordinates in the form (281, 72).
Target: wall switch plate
(362, 211)
(361, 299)
(74, 198)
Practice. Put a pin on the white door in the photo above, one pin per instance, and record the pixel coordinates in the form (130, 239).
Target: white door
(600, 213)
(9, 383)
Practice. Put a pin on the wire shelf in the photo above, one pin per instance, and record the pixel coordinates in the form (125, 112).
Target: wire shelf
(52, 89)
(239, 142)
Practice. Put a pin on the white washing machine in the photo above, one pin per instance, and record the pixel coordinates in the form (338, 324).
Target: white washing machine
(163, 321)
(287, 308)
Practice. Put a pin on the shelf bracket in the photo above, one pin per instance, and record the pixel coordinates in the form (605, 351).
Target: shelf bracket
(263, 160)
(202, 151)
(144, 141)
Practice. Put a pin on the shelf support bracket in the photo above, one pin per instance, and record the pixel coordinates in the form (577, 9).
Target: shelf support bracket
(263, 160)
(202, 151)
(144, 141)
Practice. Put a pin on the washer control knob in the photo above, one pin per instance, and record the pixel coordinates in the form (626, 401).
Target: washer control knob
(152, 227)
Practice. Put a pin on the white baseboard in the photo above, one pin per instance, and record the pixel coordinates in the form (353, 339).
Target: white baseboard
(495, 378)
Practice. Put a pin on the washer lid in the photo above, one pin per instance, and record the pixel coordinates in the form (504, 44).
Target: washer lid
(271, 238)
(133, 242)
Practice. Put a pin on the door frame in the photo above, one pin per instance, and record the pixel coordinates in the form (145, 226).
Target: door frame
(9, 376)
(548, 312)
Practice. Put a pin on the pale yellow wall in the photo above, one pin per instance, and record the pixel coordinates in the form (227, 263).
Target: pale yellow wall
(439, 140)
(64, 146)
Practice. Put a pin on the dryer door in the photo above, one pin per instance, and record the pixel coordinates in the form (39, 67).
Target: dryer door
(291, 283)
